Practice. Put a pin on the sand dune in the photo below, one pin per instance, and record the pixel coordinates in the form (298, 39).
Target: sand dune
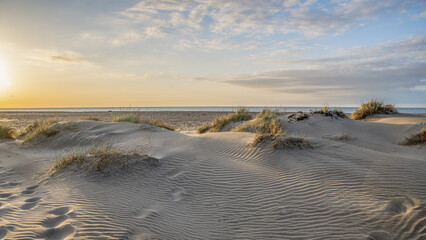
(214, 186)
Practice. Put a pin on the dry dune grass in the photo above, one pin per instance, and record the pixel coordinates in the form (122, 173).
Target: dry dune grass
(330, 113)
(127, 117)
(269, 128)
(160, 124)
(373, 107)
(416, 139)
(299, 116)
(102, 159)
(281, 141)
(7, 132)
(136, 118)
(266, 122)
(240, 115)
(40, 128)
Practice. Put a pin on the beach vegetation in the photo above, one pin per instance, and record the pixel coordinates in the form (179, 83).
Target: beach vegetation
(40, 128)
(416, 139)
(373, 107)
(126, 117)
(220, 122)
(266, 122)
(103, 159)
(7, 132)
(159, 123)
(336, 113)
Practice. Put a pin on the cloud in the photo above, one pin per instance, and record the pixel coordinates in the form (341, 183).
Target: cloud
(366, 71)
(311, 18)
(421, 88)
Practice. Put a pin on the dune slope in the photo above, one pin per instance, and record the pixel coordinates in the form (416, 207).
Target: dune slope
(214, 186)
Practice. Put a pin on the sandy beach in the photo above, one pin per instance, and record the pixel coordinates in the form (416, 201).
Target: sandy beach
(215, 185)
(182, 121)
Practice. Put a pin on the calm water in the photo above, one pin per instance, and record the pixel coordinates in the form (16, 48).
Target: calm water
(178, 109)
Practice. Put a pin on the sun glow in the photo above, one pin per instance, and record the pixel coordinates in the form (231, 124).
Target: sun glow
(4, 75)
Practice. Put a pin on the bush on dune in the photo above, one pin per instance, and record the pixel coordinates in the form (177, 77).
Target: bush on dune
(220, 122)
(416, 139)
(373, 107)
(100, 159)
(269, 128)
(7, 132)
(126, 117)
(40, 128)
(281, 141)
(330, 113)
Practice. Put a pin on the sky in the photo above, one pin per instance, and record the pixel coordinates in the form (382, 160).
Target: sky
(109, 53)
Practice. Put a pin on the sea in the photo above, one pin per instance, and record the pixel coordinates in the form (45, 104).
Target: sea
(196, 109)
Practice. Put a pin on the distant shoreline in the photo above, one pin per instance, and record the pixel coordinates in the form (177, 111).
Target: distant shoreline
(184, 109)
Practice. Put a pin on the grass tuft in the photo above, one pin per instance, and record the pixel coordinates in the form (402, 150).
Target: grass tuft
(126, 117)
(373, 107)
(330, 113)
(7, 132)
(40, 128)
(280, 141)
(266, 122)
(160, 124)
(299, 116)
(102, 159)
(416, 139)
(220, 122)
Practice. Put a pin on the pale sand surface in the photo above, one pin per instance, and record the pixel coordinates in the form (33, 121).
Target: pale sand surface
(214, 186)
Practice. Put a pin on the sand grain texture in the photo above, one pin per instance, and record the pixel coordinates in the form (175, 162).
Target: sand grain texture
(215, 186)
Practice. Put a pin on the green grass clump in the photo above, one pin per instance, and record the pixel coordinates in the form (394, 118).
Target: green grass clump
(416, 139)
(266, 122)
(127, 117)
(102, 159)
(373, 107)
(159, 123)
(330, 113)
(7, 132)
(40, 128)
(220, 122)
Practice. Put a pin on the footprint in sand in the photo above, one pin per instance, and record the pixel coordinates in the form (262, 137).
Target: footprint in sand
(60, 211)
(54, 221)
(62, 214)
(30, 203)
(3, 232)
(177, 194)
(30, 189)
(5, 195)
(58, 233)
(399, 205)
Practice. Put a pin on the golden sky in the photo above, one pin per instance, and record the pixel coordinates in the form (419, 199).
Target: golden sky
(211, 53)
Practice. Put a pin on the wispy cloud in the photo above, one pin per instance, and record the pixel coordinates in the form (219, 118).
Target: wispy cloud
(312, 18)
